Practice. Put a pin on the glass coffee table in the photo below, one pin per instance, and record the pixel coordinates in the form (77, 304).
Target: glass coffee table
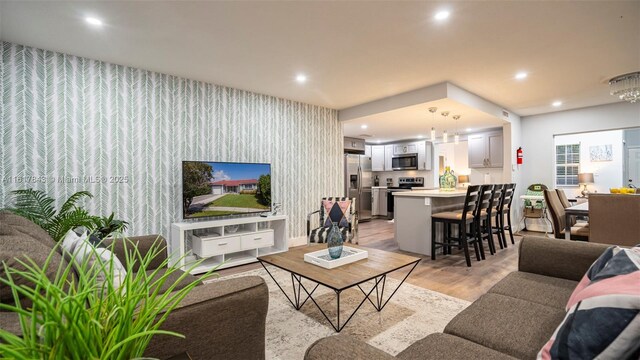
(375, 268)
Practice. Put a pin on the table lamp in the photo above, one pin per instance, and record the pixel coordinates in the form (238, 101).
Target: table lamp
(463, 179)
(583, 180)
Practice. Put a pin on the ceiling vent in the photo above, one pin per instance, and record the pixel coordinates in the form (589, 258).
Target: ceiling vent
(505, 114)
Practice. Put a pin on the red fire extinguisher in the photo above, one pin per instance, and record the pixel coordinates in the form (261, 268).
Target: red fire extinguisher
(519, 156)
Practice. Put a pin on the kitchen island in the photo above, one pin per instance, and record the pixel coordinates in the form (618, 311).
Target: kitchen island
(412, 220)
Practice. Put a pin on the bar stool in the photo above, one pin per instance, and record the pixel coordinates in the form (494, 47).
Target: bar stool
(483, 219)
(462, 219)
(504, 208)
(494, 214)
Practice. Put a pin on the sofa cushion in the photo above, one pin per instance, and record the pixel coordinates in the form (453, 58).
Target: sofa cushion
(608, 298)
(26, 227)
(445, 346)
(509, 325)
(16, 245)
(540, 289)
(343, 347)
(173, 277)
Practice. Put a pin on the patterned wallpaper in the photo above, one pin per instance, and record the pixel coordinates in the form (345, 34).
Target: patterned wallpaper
(70, 123)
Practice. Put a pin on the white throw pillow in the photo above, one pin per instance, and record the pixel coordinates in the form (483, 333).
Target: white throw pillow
(98, 259)
(71, 240)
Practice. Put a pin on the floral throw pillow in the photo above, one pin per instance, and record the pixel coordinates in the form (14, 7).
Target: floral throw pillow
(603, 313)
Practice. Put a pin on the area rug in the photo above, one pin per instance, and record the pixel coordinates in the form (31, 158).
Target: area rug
(410, 315)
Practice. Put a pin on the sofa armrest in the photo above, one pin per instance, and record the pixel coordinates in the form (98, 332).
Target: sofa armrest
(144, 244)
(225, 319)
(343, 347)
(563, 259)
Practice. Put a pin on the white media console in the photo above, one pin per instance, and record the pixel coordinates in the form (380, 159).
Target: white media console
(226, 243)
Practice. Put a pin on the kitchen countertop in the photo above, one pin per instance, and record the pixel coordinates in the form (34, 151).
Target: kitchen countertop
(432, 193)
(378, 187)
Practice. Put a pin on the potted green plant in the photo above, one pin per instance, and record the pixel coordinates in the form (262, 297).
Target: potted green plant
(38, 207)
(107, 225)
(83, 317)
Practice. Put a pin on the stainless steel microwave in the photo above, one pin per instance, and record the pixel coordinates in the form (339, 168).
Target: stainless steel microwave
(405, 162)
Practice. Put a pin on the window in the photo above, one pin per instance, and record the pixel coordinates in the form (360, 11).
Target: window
(567, 164)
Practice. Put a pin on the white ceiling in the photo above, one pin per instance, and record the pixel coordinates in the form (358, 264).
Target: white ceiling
(413, 121)
(355, 51)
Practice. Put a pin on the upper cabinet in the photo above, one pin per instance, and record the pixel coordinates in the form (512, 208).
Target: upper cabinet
(486, 150)
(377, 158)
(388, 155)
(425, 160)
(402, 149)
(353, 145)
(367, 150)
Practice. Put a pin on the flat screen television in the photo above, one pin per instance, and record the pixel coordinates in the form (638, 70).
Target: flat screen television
(224, 188)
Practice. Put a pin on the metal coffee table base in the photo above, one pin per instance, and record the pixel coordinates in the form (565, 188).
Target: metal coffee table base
(300, 292)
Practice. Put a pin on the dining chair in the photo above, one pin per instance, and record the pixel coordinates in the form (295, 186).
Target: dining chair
(557, 213)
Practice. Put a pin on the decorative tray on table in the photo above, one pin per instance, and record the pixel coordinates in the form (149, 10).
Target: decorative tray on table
(322, 258)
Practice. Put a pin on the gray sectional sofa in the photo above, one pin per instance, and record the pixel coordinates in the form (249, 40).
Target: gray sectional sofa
(224, 320)
(512, 321)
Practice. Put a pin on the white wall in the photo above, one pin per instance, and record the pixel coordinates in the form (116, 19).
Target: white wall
(607, 174)
(538, 132)
(457, 157)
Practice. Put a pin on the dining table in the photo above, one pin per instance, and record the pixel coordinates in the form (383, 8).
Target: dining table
(575, 210)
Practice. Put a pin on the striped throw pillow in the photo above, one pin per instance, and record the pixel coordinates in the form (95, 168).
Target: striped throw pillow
(603, 313)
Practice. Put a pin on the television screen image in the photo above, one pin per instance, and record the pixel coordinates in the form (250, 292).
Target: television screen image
(224, 188)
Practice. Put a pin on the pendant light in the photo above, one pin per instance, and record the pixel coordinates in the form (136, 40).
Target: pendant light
(445, 137)
(456, 137)
(433, 110)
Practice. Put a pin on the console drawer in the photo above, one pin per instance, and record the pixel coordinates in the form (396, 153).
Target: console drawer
(257, 240)
(211, 247)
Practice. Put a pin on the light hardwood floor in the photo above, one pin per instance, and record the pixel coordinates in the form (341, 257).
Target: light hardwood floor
(447, 274)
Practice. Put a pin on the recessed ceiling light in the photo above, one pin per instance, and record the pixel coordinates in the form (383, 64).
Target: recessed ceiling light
(379, 141)
(363, 126)
(301, 78)
(93, 21)
(441, 15)
(420, 136)
(557, 103)
(469, 129)
(521, 75)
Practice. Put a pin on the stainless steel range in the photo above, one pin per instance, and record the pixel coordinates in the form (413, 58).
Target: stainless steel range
(404, 184)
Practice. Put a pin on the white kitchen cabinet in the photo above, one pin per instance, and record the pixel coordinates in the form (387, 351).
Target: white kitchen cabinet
(375, 201)
(425, 160)
(377, 158)
(367, 150)
(495, 150)
(388, 155)
(382, 202)
(353, 145)
(401, 149)
(486, 150)
(477, 155)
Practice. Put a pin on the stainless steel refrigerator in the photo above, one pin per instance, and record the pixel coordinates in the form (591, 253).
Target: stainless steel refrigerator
(358, 181)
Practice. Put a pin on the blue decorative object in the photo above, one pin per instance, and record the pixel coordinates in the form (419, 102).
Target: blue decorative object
(335, 241)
